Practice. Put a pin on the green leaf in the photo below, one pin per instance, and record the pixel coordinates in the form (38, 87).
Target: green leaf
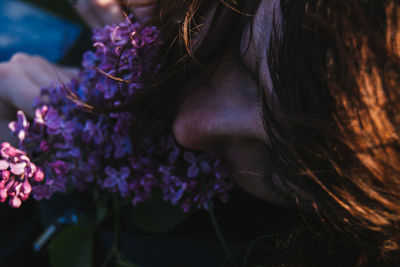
(157, 216)
(72, 247)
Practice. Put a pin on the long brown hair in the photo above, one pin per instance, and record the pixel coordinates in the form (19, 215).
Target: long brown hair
(337, 75)
(335, 66)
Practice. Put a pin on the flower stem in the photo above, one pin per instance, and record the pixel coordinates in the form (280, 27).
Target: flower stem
(114, 249)
(217, 229)
(116, 222)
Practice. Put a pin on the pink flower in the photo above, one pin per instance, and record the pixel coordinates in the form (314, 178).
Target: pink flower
(16, 174)
(20, 127)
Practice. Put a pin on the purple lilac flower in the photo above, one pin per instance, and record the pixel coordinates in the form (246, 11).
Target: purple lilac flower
(89, 59)
(147, 182)
(123, 122)
(44, 146)
(93, 132)
(70, 152)
(19, 127)
(59, 167)
(47, 189)
(117, 179)
(122, 145)
(56, 125)
(51, 95)
(79, 148)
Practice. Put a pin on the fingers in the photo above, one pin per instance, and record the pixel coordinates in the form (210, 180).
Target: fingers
(17, 92)
(18, 88)
(67, 73)
(35, 68)
(22, 77)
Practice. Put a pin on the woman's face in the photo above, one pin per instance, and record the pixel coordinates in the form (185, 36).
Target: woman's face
(224, 113)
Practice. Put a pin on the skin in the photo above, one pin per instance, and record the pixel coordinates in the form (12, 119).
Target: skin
(224, 113)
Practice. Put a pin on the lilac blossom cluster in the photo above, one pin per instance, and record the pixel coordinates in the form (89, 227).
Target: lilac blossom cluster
(16, 174)
(79, 149)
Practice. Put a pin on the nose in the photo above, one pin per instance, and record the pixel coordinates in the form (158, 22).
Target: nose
(223, 111)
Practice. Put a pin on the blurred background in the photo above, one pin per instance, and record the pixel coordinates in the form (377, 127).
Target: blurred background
(59, 7)
(52, 29)
(43, 27)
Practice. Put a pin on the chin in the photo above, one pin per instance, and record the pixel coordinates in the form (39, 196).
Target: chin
(261, 187)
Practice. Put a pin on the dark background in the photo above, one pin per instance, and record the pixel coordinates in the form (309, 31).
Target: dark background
(60, 7)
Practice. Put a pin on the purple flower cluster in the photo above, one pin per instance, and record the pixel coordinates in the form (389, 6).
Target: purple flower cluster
(80, 149)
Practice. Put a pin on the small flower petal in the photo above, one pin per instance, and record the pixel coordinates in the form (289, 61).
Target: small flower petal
(4, 165)
(17, 168)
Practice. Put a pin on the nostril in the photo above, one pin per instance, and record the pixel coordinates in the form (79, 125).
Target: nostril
(204, 127)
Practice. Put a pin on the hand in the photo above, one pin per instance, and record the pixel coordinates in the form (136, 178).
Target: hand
(20, 81)
(97, 13)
